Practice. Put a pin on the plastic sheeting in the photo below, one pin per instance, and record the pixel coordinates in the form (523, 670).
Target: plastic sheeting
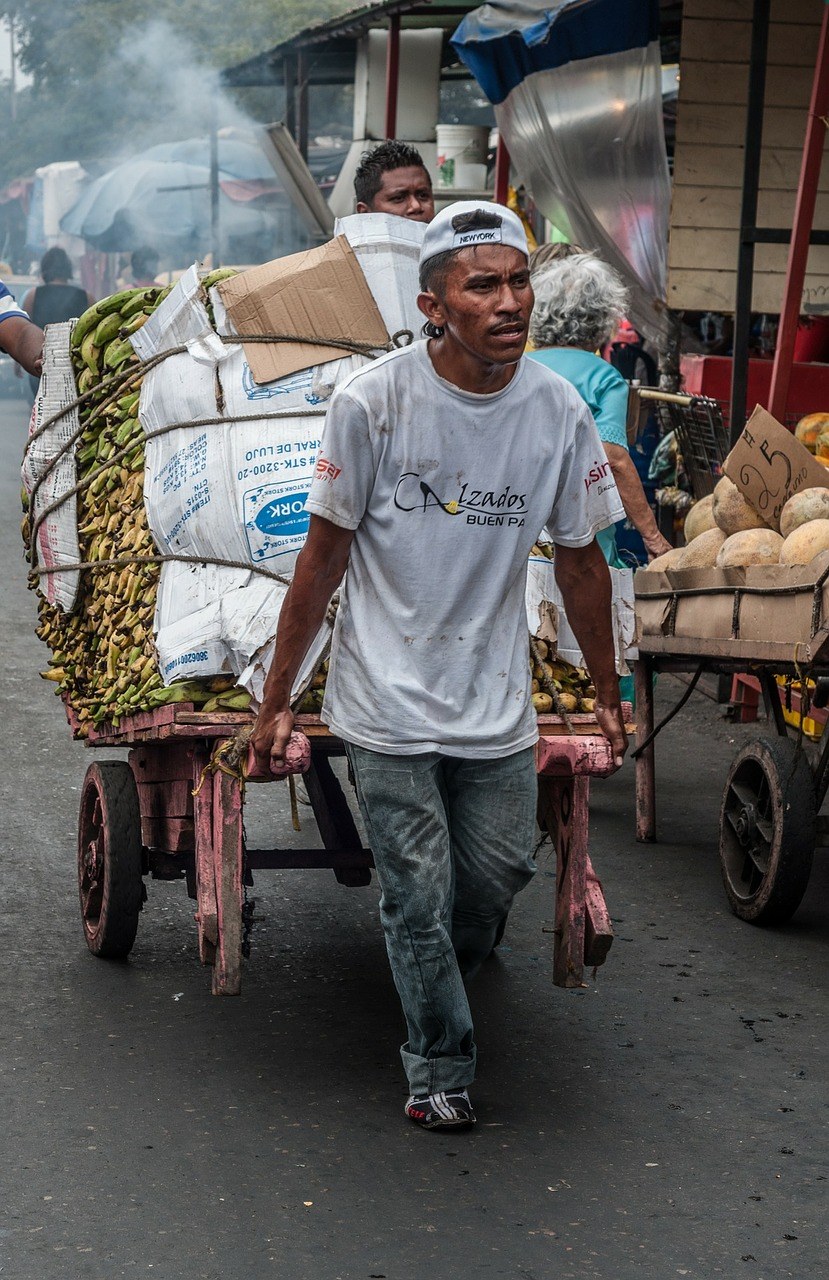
(577, 92)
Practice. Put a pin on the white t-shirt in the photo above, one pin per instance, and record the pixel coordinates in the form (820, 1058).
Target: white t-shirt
(447, 491)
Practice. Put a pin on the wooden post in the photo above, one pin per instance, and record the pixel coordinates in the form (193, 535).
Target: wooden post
(289, 78)
(598, 930)
(645, 764)
(392, 75)
(752, 152)
(207, 917)
(302, 103)
(227, 861)
(334, 819)
(501, 171)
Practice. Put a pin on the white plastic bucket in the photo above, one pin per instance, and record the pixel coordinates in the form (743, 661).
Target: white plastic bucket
(461, 150)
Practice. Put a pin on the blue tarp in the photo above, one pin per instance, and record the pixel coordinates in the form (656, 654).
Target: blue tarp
(502, 43)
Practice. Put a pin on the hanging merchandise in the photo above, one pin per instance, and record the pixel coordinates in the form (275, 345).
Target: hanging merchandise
(577, 91)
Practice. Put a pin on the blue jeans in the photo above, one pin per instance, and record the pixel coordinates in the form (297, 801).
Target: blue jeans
(452, 841)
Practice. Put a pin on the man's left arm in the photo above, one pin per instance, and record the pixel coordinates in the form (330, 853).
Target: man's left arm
(584, 582)
(23, 341)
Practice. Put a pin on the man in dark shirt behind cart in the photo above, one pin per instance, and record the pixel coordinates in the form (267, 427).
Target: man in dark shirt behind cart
(393, 179)
(438, 467)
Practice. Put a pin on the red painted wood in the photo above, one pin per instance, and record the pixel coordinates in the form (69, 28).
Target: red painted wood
(745, 698)
(173, 835)
(209, 719)
(227, 862)
(574, 756)
(598, 929)
(645, 764)
(711, 376)
(166, 799)
(804, 216)
(207, 913)
(162, 764)
(563, 812)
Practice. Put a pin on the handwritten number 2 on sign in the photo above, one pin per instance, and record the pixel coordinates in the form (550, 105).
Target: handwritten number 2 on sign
(767, 494)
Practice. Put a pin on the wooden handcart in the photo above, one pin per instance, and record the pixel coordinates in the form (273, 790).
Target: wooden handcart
(770, 822)
(164, 813)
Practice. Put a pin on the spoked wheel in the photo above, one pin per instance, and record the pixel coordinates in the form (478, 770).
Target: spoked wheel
(109, 859)
(767, 831)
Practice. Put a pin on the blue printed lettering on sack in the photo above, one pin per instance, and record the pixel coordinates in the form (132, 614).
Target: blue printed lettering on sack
(276, 521)
(184, 659)
(299, 383)
(183, 465)
(199, 498)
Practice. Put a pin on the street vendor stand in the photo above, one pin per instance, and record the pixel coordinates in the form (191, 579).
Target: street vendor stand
(174, 810)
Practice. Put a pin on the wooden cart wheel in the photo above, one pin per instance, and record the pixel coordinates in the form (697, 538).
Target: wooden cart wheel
(767, 831)
(109, 859)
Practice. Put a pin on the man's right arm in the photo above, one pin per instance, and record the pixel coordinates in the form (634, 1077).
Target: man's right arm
(24, 343)
(584, 581)
(319, 570)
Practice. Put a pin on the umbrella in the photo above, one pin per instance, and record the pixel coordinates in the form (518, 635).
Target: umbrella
(237, 157)
(153, 202)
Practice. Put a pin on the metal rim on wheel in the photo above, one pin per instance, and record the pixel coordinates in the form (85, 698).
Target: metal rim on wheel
(767, 831)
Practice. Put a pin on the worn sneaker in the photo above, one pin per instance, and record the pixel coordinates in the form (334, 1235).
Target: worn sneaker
(441, 1110)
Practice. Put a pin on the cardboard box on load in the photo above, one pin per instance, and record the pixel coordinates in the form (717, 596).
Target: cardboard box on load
(321, 293)
(763, 612)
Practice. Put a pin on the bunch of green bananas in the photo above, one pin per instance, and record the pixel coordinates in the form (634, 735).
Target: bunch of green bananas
(103, 659)
(312, 701)
(573, 685)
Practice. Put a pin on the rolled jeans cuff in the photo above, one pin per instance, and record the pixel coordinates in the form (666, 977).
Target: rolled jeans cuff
(438, 1075)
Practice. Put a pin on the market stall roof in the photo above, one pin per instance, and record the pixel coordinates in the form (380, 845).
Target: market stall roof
(331, 46)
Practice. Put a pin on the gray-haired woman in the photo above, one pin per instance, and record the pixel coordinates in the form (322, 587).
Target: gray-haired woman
(579, 301)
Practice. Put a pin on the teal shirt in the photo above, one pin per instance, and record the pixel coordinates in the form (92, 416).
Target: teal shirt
(606, 394)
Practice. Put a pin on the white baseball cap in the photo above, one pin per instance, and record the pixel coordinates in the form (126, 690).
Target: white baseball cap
(471, 222)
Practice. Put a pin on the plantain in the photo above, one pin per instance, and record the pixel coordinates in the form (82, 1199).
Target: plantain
(90, 353)
(118, 352)
(133, 325)
(213, 277)
(141, 299)
(107, 329)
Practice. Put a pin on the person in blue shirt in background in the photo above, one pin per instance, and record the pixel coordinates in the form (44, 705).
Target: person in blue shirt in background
(19, 338)
(579, 301)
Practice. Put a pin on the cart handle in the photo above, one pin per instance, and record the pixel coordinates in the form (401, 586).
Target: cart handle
(669, 397)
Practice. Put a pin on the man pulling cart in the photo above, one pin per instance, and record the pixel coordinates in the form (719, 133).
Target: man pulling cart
(438, 466)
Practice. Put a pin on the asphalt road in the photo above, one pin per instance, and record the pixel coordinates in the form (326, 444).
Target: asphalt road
(669, 1119)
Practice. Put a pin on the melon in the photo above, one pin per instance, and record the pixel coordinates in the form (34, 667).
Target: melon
(809, 504)
(805, 542)
(668, 560)
(809, 428)
(822, 446)
(749, 546)
(700, 518)
(732, 513)
(702, 552)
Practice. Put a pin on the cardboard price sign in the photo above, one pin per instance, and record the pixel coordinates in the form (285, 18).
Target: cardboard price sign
(768, 465)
